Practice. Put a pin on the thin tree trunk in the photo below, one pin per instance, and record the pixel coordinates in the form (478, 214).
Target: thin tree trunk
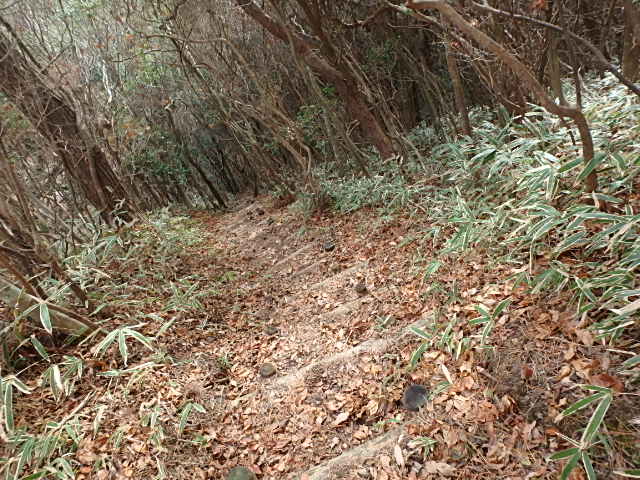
(52, 116)
(458, 89)
(631, 52)
(345, 82)
(521, 71)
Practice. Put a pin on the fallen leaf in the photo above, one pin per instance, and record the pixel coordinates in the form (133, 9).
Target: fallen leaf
(341, 418)
(439, 468)
(570, 353)
(607, 381)
(397, 455)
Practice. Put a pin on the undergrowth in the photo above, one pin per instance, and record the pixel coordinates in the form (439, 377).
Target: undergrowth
(513, 191)
(116, 268)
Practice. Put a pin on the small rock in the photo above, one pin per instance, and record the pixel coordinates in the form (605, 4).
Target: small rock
(361, 288)
(241, 473)
(267, 370)
(414, 397)
(271, 330)
(328, 246)
(315, 399)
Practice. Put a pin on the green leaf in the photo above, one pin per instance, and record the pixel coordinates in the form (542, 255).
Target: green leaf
(571, 464)
(39, 348)
(632, 362)
(592, 165)
(632, 473)
(417, 354)
(596, 420)
(7, 404)
(421, 333)
(588, 466)
(562, 454)
(580, 404)
(45, 318)
(570, 165)
(122, 345)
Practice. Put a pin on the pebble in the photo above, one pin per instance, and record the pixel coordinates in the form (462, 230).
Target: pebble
(271, 330)
(267, 370)
(415, 396)
(328, 246)
(241, 473)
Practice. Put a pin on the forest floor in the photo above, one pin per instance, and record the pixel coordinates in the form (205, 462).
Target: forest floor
(284, 364)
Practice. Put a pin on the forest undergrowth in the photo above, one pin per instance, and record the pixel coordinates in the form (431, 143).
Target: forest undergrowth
(532, 288)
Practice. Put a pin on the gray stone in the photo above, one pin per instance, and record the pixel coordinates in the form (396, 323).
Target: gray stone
(328, 246)
(267, 370)
(241, 473)
(415, 396)
(271, 330)
(361, 288)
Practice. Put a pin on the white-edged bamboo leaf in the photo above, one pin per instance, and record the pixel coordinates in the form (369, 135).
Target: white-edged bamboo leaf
(596, 420)
(417, 354)
(570, 465)
(588, 466)
(570, 165)
(26, 453)
(165, 326)
(420, 333)
(122, 345)
(16, 383)
(592, 165)
(632, 362)
(7, 405)
(65, 466)
(184, 416)
(431, 269)
(106, 342)
(39, 348)
(45, 318)
(562, 454)
(438, 389)
(56, 378)
(478, 321)
(97, 421)
(597, 388)
(500, 307)
(632, 473)
(140, 338)
(580, 404)
(36, 475)
(626, 310)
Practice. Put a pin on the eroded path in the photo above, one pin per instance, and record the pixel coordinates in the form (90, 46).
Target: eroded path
(292, 356)
(294, 303)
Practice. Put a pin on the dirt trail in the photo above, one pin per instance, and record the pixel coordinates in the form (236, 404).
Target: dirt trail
(332, 409)
(337, 366)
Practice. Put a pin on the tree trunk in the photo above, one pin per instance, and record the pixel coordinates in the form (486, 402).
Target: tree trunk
(631, 52)
(54, 118)
(346, 83)
(522, 72)
(458, 90)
